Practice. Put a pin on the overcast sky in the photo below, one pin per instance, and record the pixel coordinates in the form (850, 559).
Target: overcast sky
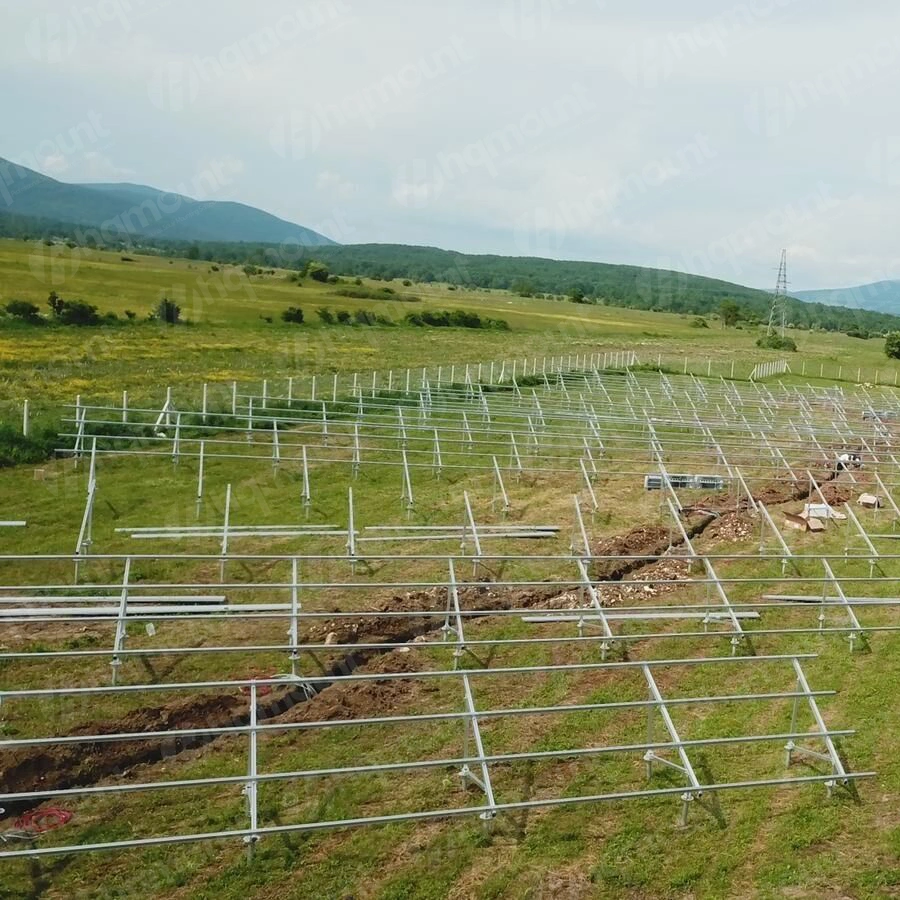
(697, 135)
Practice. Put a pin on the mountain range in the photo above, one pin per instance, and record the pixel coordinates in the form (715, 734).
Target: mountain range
(135, 210)
(879, 296)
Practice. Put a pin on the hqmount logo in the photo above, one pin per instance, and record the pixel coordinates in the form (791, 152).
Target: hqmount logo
(883, 161)
(51, 39)
(770, 112)
(528, 20)
(295, 135)
(539, 232)
(174, 86)
(418, 183)
(54, 265)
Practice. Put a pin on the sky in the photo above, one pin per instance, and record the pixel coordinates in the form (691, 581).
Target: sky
(698, 135)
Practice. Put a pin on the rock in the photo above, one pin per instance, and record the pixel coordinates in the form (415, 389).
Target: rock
(331, 638)
(815, 525)
(798, 522)
(870, 501)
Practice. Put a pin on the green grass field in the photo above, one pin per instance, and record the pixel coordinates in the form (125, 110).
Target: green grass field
(229, 340)
(770, 844)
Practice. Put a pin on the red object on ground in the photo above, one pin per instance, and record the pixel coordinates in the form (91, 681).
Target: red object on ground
(37, 821)
(263, 689)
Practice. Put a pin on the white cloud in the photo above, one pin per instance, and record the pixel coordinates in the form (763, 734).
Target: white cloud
(335, 185)
(54, 164)
(95, 166)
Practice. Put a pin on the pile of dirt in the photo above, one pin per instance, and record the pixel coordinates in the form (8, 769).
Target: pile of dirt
(60, 767)
(779, 491)
(718, 503)
(634, 543)
(732, 526)
(644, 545)
(365, 699)
(78, 765)
(837, 494)
(787, 491)
(671, 570)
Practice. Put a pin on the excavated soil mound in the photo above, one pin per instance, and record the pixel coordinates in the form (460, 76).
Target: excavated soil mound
(731, 526)
(54, 768)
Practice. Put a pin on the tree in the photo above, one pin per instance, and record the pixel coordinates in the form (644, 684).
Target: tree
(325, 315)
(193, 252)
(776, 342)
(22, 309)
(292, 314)
(167, 311)
(891, 344)
(729, 313)
(77, 312)
(56, 303)
(317, 271)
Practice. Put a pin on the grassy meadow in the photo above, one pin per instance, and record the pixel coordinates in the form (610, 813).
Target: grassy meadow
(229, 339)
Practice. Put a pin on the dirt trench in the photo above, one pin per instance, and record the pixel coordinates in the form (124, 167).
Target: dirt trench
(81, 765)
(85, 764)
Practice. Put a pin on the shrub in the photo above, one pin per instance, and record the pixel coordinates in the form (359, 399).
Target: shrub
(22, 309)
(167, 311)
(325, 315)
(776, 342)
(317, 271)
(364, 317)
(891, 344)
(292, 314)
(16, 449)
(344, 317)
(407, 282)
(366, 293)
(699, 322)
(457, 318)
(77, 312)
(130, 314)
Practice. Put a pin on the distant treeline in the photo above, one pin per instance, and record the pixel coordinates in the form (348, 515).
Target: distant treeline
(614, 285)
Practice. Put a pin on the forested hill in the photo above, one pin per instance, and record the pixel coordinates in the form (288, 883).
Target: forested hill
(615, 285)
